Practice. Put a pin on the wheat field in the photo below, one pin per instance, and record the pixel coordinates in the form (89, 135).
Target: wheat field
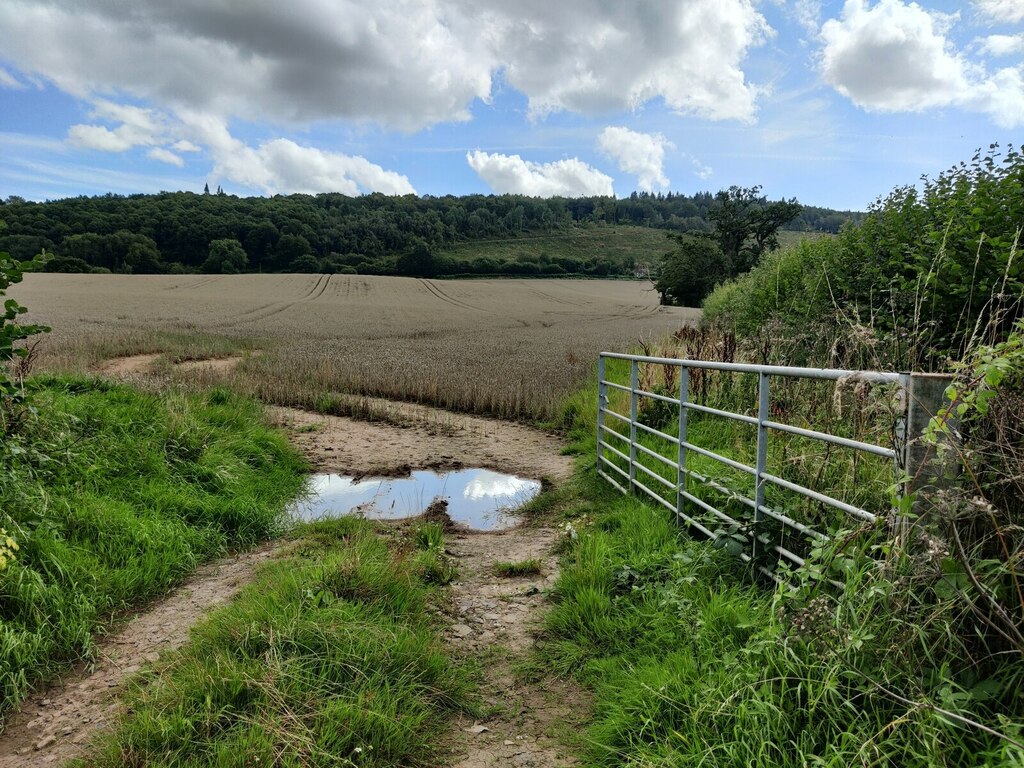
(512, 348)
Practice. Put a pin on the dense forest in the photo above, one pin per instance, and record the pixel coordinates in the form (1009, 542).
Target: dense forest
(371, 234)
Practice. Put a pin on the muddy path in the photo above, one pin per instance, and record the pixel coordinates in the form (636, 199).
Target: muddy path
(53, 725)
(493, 617)
(424, 438)
(496, 618)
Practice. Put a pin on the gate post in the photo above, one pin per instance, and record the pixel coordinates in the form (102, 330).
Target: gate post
(931, 464)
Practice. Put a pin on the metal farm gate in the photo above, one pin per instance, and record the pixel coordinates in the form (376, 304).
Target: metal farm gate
(619, 452)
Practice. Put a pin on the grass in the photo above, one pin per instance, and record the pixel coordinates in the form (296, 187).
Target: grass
(617, 244)
(331, 658)
(531, 567)
(691, 663)
(113, 496)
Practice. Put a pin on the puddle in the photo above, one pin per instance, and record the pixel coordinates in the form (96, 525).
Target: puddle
(477, 498)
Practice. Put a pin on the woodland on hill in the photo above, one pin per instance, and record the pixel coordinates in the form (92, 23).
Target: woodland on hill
(371, 234)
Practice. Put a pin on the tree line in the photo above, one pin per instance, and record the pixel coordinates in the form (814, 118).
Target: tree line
(370, 234)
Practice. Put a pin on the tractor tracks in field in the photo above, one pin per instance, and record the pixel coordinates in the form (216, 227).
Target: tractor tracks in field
(435, 290)
(277, 307)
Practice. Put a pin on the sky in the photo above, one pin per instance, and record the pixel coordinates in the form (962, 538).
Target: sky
(834, 103)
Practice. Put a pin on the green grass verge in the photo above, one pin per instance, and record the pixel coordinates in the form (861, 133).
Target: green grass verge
(113, 496)
(331, 658)
(691, 663)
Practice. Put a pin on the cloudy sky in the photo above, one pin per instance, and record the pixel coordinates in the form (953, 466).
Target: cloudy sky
(831, 102)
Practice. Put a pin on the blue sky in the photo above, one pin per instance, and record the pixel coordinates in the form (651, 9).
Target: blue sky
(831, 102)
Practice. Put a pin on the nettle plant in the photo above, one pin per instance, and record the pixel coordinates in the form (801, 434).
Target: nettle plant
(12, 333)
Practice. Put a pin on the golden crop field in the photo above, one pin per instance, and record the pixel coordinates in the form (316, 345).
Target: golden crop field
(513, 348)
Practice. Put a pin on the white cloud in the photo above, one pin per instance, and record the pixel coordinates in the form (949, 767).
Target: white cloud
(165, 156)
(701, 171)
(510, 174)
(1005, 11)
(642, 154)
(185, 146)
(1002, 45)
(398, 63)
(282, 166)
(896, 57)
(7, 80)
(594, 56)
(97, 137)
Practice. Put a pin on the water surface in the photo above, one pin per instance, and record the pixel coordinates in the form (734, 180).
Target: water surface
(477, 498)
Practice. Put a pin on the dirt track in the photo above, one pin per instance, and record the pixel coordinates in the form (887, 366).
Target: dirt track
(493, 616)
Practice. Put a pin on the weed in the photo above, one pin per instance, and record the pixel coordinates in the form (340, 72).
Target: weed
(531, 567)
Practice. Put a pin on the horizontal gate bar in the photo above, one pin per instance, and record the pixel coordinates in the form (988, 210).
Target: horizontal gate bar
(667, 483)
(831, 374)
(855, 511)
(614, 450)
(658, 456)
(717, 412)
(618, 416)
(657, 433)
(718, 457)
(836, 440)
(621, 471)
(608, 477)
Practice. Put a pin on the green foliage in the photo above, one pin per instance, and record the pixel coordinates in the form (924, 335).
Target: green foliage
(691, 271)
(226, 257)
(113, 496)
(692, 665)
(153, 233)
(746, 225)
(332, 658)
(531, 567)
(12, 395)
(920, 277)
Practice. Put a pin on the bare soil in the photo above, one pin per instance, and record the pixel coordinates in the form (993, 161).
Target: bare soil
(54, 725)
(495, 622)
(426, 438)
(493, 619)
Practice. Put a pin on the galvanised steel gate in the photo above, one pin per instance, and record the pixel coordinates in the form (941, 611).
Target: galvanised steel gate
(629, 475)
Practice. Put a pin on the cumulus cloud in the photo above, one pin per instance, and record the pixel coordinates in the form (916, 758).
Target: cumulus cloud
(896, 57)
(594, 56)
(185, 146)
(1002, 45)
(510, 174)
(1005, 11)
(642, 154)
(282, 166)
(400, 64)
(97, 137)
(165, 156)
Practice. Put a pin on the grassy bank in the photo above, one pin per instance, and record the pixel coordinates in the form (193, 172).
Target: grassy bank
(111, 496)
(331, 658)
(693, 664)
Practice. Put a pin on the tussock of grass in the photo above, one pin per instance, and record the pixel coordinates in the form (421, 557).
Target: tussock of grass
(529, 567)
(329, 659)
(113, 496)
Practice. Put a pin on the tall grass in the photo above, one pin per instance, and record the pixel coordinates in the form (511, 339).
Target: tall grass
(331, 658)
(691, 664)
(112, 496)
